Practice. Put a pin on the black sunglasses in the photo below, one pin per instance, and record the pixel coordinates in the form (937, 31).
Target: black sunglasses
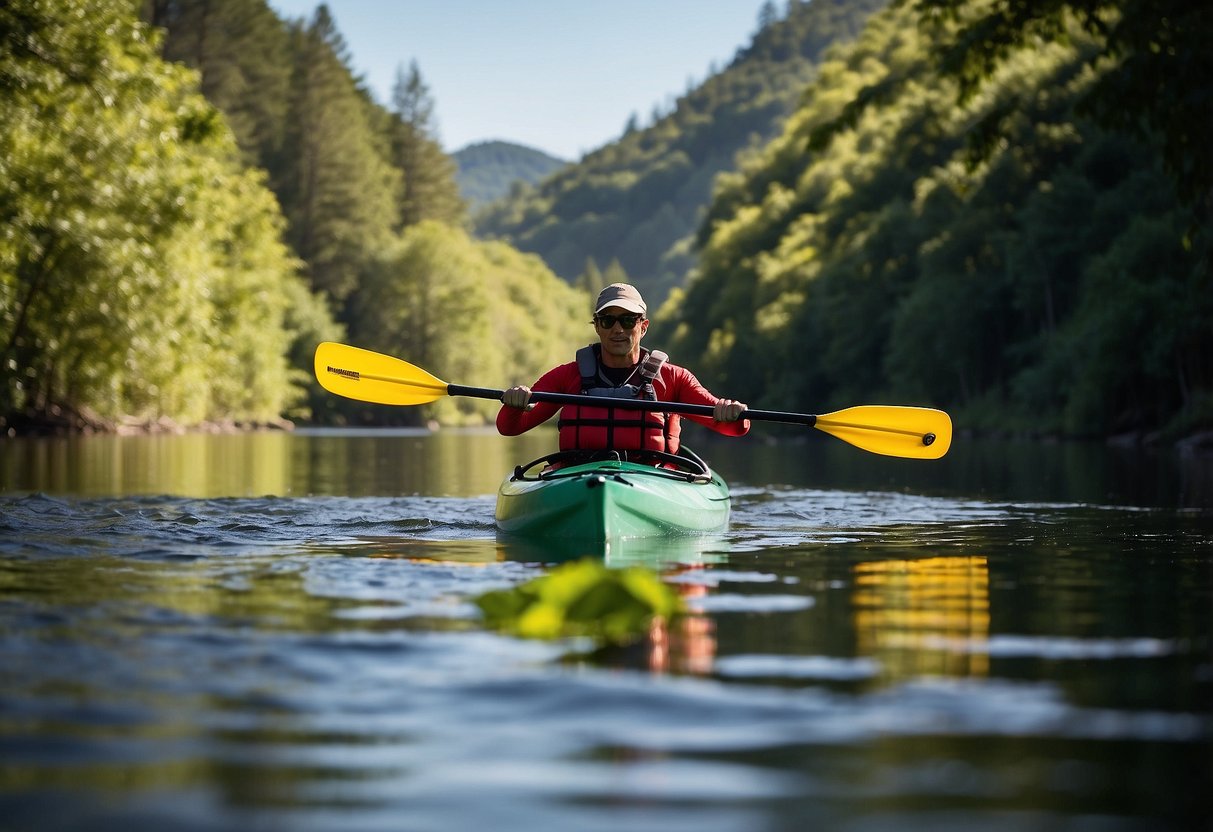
(608, 321)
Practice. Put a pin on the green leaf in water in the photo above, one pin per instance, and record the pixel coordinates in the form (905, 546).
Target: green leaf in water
(582, 598)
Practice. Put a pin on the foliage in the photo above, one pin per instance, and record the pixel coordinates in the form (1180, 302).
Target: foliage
(1051, 279)
(582, 598)
(242, 52)
(141, 269)
(1159, 49)
(430, 191)
(367, 192)
(1000, 207)
(638, 199)
(337, 189)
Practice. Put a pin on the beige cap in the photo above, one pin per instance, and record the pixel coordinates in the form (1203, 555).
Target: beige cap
(623, 295)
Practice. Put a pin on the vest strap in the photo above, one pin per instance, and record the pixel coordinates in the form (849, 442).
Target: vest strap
(594, 382)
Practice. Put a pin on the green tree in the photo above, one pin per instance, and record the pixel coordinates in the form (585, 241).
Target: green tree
(615, 274)
(430, 190)
(477, 313)
(336, 188)
(768, 15)
(1159, 49)
(141, 270)
(591, 280)
(241, 50)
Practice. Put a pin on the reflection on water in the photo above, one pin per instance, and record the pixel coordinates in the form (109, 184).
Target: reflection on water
(467, 462)
(906, 612)
(688, 643)
(993, 470)
(378, 462)
(421, 550)
(194, 464)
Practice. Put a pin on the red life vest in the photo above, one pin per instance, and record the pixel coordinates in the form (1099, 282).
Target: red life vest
(613, 428)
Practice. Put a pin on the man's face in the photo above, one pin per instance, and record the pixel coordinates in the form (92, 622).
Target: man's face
(618, 340)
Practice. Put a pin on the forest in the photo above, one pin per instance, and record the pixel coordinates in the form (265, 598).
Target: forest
(1002, 209)
(997, 207)
(194, 194)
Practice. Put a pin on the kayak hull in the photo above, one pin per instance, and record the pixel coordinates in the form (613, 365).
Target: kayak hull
(612, 499)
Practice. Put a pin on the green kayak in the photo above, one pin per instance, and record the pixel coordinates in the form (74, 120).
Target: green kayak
(568, 495)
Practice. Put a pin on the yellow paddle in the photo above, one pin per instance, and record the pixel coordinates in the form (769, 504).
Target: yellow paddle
(911, 432)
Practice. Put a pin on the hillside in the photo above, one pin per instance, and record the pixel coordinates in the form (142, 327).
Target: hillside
(1024, 257)
(488, 170)
(638, 200)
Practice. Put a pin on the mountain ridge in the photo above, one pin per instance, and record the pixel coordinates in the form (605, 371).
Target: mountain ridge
(487, 170)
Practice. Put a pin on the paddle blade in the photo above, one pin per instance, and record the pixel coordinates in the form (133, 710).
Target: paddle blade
(912, 432)
(373, 377)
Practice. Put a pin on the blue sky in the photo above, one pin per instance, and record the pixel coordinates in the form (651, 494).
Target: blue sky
(562, 76)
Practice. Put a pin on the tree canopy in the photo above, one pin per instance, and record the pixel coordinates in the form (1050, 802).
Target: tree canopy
(195, 196)
(142, 272)
(361, 185)
(1046, 281)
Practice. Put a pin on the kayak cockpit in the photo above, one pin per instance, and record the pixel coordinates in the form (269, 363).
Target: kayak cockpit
(686, 465)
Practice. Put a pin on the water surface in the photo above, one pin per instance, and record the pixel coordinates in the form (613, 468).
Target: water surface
(275, 631)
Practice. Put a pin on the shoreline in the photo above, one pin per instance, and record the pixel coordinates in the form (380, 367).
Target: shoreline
(80, 426)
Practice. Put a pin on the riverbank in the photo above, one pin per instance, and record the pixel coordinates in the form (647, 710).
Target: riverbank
(1201, 441)
(61, 421)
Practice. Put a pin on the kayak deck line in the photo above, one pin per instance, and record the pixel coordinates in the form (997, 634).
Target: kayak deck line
(687, 467)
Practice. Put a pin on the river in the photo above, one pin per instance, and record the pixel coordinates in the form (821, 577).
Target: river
(275, 630)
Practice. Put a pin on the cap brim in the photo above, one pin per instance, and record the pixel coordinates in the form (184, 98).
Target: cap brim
(630, 305)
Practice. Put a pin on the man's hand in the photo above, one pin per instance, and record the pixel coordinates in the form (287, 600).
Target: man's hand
(519, 397)
(727, 410)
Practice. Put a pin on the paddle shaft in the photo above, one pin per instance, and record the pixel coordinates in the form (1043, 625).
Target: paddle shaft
(807, 419)
(634, 404)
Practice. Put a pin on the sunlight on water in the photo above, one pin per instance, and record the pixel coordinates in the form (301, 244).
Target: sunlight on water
(905, 609)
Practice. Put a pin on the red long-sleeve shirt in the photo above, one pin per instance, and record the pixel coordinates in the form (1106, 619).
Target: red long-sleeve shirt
(673, 384)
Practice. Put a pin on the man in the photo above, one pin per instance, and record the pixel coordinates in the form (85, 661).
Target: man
(618, 367)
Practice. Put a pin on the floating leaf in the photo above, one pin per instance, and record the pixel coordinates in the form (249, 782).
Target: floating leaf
(582, 598)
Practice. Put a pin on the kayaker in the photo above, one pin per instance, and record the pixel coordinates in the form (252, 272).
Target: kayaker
(618, 366)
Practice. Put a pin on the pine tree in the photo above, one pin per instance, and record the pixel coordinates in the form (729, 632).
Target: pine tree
(615, 273)
(338, 192)
(240, 47)
(768, 15)
(591, 280)
(430, 191)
